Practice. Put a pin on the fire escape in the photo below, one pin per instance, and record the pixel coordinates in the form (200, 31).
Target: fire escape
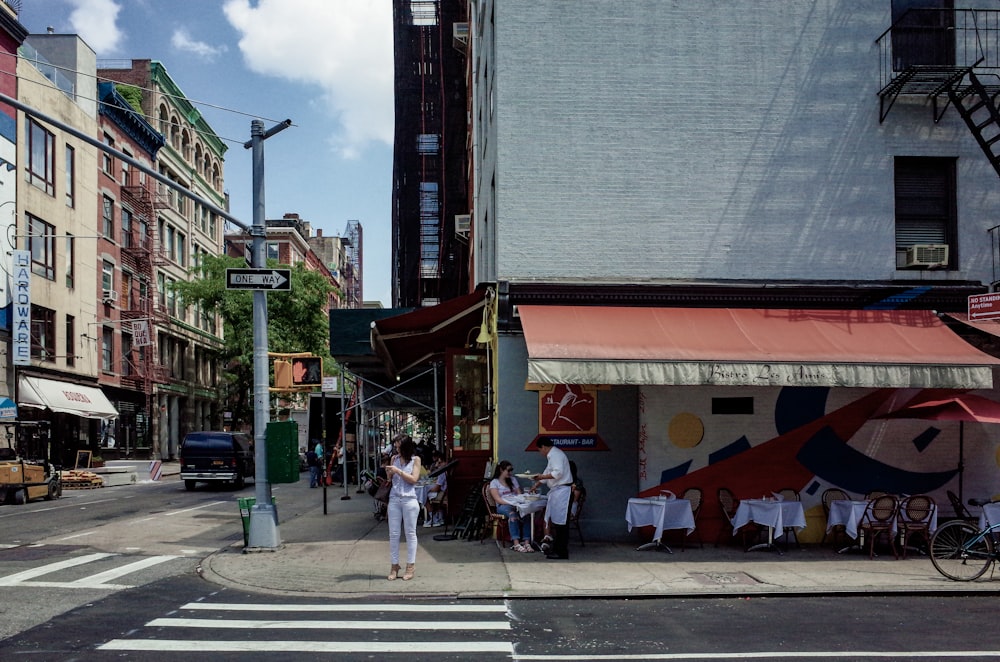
(141, 254)
(952, 57)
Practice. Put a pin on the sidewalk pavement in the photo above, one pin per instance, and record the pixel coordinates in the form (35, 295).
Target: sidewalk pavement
(345, 555)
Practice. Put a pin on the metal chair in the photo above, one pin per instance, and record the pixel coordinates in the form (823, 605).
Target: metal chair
(879, 519)
(695, 496)
(728, 504)
(915, 514)
(961, 511)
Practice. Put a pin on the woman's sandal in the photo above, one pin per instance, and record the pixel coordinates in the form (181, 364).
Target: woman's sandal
(517, 547)
(408, 575)
(393, 573)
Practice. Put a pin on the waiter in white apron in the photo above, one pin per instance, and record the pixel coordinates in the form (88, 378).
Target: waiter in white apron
(558, 477)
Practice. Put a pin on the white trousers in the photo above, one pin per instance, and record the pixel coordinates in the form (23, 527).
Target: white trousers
(403, 513)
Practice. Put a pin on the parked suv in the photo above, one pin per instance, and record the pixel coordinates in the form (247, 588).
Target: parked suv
(216, 456)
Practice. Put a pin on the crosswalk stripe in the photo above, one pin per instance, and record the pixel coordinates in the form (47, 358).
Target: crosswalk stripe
(329, 625)
(21, 577)
(213, 646)
(435, 609)
(115, 573)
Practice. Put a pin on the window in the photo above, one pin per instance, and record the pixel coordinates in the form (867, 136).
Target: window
(43, 333)
(42, 245)
(108, 214)
(925, 204)
(126, 172)
(161, 287)
(107, 349)
(171, 243)
(171, 297)
(127, 368)
(127, 241)
(70, 260)
(107, 275)
(108, 161)
(41, 157)
(181, 249)
(70, 176)
(70, 340)
(272, 250)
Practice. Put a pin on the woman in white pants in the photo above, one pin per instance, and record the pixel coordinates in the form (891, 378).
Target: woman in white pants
(404, 472)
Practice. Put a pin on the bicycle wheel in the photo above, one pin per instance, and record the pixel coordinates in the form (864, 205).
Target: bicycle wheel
(959, 553)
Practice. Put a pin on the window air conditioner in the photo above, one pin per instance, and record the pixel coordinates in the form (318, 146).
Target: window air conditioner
(463, 224)
(927, 255)
(109, 296)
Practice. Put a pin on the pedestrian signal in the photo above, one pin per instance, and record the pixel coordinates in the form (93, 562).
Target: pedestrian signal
(307, 371)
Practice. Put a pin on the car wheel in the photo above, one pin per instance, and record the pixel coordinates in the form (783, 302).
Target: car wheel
(240, 481)
(189, 485)
(19, 497)
(54, 491)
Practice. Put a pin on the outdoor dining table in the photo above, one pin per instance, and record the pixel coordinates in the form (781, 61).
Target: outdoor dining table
(527, 506)
(774, 514)
(990, 515)
(661, 513)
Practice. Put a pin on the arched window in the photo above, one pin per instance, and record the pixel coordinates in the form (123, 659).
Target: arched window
(186, 145)
(164, 121)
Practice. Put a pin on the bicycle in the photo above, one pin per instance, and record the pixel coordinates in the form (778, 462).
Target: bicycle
(962, 551)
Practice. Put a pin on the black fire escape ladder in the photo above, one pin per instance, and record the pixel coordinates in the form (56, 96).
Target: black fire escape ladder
(977, 106)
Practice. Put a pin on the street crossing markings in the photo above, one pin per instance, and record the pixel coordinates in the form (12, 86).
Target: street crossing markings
(98, 580)
(479, 620)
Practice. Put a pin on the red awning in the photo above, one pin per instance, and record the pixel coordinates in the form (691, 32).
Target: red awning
(749, 347)
(405, 341)
(991, 327)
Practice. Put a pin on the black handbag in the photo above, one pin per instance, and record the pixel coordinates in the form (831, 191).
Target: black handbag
(382, 493)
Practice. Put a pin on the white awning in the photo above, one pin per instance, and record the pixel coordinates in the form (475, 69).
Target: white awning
(64, 397)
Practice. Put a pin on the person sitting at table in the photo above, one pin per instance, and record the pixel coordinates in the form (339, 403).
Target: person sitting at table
(436, 492)
(502, 487)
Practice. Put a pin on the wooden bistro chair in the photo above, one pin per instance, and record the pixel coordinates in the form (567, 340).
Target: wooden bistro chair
(579, 498)
(694, 495)
(879, 519)
(838, 530)
(728, 505)
(495, 523)
(915, 519)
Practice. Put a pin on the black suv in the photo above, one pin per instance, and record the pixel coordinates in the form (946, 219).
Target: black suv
(216, 456)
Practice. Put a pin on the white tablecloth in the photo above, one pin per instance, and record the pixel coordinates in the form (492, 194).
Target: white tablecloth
(526, 506)
(991, 511)
(660, 513)
(422, 492)
(773, 514)
(847, 514)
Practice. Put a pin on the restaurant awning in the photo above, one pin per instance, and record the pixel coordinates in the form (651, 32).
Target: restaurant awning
(408, 340)
(749, 347)
(991, 326)
(64, 397)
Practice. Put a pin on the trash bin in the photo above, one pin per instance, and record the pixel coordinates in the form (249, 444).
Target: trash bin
(246, 504)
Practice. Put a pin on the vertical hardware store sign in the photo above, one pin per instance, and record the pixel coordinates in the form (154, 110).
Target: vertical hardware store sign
(21, 319)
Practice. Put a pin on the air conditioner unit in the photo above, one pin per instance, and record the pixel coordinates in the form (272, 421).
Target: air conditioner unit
(109, 296)
(460, 35)
(927, 255)
(463, 224)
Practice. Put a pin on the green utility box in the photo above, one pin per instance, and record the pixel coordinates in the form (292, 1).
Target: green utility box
(282, 439)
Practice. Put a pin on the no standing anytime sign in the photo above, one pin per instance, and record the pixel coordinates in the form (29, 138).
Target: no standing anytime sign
(984, 306)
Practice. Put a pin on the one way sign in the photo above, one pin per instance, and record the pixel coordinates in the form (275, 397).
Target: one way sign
(258, 279)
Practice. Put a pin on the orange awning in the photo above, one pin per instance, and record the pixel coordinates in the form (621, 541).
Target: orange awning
(991, 327)
(749, 347)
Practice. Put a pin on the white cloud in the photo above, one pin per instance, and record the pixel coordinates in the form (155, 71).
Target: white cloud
(96, 22)
(344, 47)
(182, 41)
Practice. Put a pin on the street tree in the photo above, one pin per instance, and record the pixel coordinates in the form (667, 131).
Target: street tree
(298, 321)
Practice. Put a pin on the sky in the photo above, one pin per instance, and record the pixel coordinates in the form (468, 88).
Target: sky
(324, 64)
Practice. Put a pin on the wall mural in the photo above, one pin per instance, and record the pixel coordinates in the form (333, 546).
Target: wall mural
(807, 439)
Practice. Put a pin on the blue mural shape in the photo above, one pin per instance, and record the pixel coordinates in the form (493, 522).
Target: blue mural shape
(798, 406)
(675, 472)
(726, 452)
(833, 461)
(924, 439)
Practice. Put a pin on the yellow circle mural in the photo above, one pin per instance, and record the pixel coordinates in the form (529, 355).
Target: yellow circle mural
(685, 430)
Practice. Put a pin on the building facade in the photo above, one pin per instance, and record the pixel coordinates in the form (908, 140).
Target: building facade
(648, 179)
(186, 392)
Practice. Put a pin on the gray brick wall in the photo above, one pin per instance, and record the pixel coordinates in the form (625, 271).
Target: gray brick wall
(710, 139)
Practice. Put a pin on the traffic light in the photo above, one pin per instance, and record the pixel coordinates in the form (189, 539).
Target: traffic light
(307, 371)
(282, 374)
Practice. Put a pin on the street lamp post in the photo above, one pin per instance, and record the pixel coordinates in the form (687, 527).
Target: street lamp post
(263, 516)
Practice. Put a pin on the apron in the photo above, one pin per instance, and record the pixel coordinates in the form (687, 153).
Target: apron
(557, 507)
